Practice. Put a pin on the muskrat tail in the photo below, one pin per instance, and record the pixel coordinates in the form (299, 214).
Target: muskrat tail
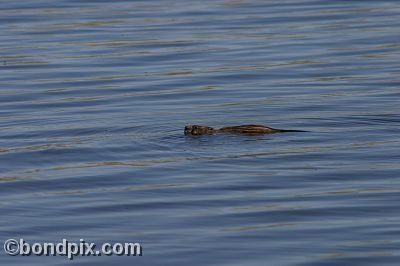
(288, 130)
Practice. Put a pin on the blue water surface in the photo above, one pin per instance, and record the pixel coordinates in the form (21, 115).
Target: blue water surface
(94, 96)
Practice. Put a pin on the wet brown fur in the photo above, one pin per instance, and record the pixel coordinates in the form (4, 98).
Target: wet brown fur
(196, 130)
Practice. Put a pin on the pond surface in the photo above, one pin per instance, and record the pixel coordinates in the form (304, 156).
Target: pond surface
(94, 97)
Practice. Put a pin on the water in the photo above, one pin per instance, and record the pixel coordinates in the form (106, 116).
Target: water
(94, 97)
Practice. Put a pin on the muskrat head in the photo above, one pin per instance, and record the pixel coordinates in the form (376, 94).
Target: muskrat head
(198, 130)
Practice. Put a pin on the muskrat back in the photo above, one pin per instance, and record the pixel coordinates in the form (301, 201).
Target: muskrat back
(196, 130)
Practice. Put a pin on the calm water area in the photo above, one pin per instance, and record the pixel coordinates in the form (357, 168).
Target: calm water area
(94, 96)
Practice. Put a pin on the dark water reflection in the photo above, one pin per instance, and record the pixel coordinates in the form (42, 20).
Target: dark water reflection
(94, 97)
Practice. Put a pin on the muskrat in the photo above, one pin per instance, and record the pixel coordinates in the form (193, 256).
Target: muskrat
(196, 130)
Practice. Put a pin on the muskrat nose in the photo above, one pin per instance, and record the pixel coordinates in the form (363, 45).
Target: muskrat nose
(188, 130)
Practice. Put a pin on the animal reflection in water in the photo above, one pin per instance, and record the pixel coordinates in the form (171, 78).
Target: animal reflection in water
(196, 130)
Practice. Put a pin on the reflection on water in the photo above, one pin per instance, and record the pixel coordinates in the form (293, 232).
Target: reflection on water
(94, 98)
